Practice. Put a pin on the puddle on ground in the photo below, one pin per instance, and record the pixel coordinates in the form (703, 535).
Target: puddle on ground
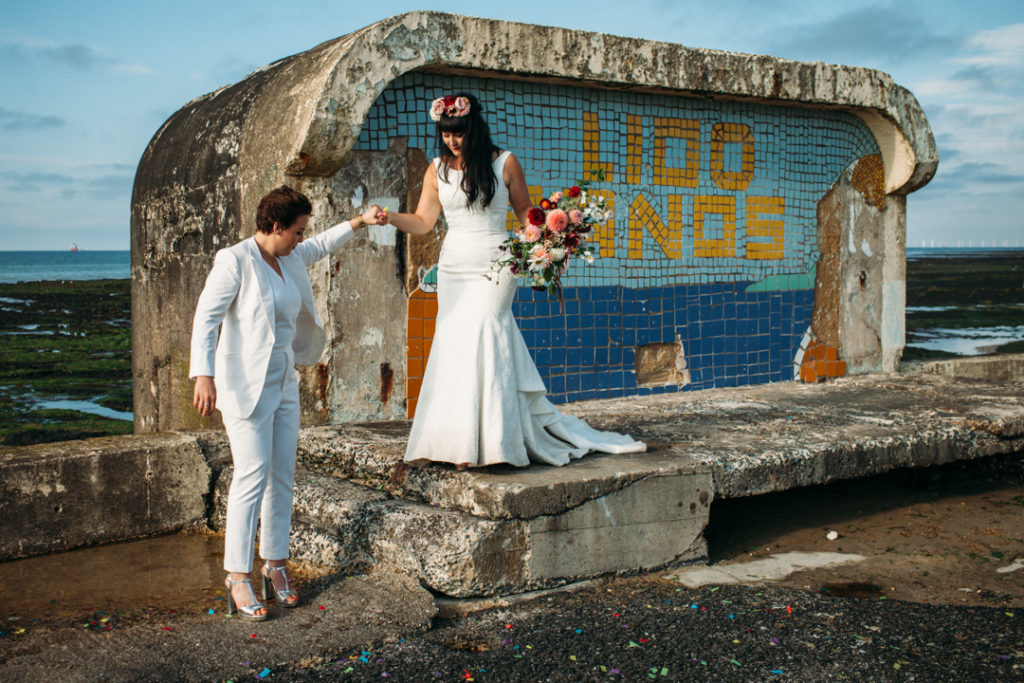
(176, 572)
(852, 589)
(84, 407)
(945, 535)
(965, 341)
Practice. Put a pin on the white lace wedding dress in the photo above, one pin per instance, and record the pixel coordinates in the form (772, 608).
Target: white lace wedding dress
(482, 401)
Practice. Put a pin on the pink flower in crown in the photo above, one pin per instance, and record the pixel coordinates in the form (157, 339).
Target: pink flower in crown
(449, 105)
(575, 216)
(531, 233)
(556, 197)
(437, 108)
(557, 220)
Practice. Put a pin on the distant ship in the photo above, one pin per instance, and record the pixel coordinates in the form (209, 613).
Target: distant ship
(74, 246)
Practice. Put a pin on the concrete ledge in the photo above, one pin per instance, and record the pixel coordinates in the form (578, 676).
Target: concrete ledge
(1001, 368)
(752, 440)
(501, 531)
(69, 494)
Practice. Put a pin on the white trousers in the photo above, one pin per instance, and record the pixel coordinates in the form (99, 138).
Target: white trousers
(263, 451)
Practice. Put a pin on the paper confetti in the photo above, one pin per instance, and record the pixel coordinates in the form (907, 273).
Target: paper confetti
(264, 673)
(735, 662)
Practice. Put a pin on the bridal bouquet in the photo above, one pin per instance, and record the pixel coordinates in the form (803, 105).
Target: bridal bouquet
(555, 231)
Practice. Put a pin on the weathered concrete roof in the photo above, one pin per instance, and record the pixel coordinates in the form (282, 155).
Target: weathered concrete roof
(310, 107)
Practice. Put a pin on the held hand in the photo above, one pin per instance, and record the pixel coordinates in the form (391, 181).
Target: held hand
(204, 398)
(375, 215)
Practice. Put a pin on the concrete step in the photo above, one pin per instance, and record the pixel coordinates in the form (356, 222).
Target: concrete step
(654, 522)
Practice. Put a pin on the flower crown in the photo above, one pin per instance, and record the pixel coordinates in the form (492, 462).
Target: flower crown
(449, 105)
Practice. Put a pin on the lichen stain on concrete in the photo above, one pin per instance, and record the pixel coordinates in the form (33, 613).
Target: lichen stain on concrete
(387, 377)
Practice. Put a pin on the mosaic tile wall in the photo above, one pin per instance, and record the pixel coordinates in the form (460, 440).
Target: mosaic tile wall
(714, 240)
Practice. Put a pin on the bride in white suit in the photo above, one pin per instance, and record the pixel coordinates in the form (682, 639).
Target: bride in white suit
(258, 296)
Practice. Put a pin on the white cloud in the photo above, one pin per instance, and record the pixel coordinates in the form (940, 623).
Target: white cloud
(1002, 46)
(75, 55)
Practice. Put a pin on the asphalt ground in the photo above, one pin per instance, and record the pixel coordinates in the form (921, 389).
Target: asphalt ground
(638, 630)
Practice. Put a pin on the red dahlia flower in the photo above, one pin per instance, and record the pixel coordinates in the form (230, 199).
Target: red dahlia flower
(574, 191)
(536, 216)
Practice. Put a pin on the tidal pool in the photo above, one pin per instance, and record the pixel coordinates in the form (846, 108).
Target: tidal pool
(84, 407)
(965, 341)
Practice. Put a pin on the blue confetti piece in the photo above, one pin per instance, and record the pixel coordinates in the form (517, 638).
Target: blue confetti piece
(264, 673)
(732, 616)
(776, 671)
(579, 630)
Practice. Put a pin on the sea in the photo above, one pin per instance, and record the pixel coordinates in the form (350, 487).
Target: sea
(30, 266)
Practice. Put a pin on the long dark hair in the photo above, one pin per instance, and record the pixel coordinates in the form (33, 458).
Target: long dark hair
(478, 179)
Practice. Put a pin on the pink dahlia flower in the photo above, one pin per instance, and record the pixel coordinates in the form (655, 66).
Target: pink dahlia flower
(557, 220)
(531, 233)
(575, 216)
(556, 197)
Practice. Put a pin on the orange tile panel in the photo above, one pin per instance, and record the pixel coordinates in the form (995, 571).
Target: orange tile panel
(414, 347)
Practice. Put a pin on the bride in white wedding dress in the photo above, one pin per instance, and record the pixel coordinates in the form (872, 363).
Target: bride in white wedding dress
(482, 401)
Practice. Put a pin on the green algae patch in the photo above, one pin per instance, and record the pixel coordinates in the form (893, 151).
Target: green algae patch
(65, 343)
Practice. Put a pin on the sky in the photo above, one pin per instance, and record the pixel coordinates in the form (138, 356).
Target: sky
(86, 85)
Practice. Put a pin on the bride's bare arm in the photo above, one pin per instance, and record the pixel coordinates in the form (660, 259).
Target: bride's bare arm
(518, 194)
(429, 208)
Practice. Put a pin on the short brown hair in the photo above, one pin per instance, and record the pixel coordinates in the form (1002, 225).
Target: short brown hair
(283, 205)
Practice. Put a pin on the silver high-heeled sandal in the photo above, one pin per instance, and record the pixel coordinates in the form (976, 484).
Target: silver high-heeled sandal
(284, 598)
(246, 612)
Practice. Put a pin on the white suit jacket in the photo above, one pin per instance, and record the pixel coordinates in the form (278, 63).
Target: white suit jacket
(238, 301)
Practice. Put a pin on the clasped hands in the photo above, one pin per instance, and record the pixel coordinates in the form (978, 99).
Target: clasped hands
(374, 215)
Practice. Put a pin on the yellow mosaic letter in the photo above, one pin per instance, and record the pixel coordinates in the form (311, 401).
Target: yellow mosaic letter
(536, 193)
(765, 227)
(668, 236)
(592, 148)
(634, 148)
(604, 234)
(682, 129)
(721, 135)
(714, 205)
